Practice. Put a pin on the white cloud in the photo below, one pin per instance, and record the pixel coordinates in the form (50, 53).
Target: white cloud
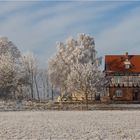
(38, 29)
(19, 26)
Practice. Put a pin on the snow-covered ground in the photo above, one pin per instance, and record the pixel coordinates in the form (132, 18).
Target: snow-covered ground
(70, 125)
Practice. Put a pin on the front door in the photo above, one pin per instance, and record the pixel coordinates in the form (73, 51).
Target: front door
(135, 95)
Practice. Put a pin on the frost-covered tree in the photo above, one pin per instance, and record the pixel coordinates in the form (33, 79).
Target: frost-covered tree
(11, 76)
(44, 85)
(75, 65)
(31, 68)
(37, 82)
(7, 46)
(87, 79)
(10, 69)
(20, 75)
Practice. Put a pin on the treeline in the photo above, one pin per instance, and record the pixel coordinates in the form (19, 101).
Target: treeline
(20, 75)
(73, 69)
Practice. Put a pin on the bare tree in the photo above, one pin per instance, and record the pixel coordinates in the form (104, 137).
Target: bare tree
(45, 83)
(31, 68)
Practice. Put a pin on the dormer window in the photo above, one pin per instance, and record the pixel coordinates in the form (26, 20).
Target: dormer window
(127, 66)
(127, 63)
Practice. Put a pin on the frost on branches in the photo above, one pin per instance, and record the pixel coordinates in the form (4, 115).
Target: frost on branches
(31, 69)
(8, 46)
(11, 73)
(75, 66)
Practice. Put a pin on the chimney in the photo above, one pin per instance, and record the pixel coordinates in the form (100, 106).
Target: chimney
(126, 55)
(127, 63)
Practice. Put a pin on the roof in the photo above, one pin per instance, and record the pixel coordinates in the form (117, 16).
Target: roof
(116, 63)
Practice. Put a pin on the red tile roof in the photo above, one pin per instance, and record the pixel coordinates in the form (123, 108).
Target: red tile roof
(115, 63)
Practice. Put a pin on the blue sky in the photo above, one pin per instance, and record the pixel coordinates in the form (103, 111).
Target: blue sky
(37, 25)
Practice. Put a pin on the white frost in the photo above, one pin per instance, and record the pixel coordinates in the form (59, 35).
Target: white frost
(70, 125)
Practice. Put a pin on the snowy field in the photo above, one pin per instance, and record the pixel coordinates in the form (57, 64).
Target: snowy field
(70, 125)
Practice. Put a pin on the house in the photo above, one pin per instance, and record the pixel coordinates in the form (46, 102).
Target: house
(124, 74)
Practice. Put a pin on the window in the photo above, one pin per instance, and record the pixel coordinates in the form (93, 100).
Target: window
(117, 79)
(127, 64)
(118, 93)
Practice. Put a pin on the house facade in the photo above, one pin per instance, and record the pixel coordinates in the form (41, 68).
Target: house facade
(124, 74)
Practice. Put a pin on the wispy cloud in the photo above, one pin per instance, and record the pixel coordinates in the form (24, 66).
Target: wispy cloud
(36, 26)
(122, 37)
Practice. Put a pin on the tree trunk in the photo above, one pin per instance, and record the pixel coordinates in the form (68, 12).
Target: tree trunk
(31, 86)
(86, 95)
(37, 88)
(52, 93)
(47, 88)
(32, 91)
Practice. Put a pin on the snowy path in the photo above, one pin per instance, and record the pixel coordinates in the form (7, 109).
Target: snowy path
(70, 125)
